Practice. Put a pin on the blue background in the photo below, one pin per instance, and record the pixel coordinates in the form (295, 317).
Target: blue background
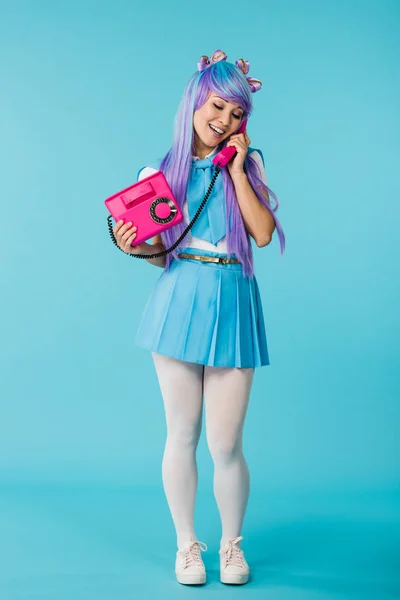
(89, 93)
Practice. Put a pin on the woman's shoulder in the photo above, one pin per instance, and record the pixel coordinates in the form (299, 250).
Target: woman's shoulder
(148, 170)
(145, 172)
(257, 155)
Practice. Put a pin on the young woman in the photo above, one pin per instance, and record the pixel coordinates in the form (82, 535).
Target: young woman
(203, 321)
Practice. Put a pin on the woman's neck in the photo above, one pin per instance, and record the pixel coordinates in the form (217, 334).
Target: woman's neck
(201, 150)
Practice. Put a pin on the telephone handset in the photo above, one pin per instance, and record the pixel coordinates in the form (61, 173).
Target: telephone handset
(142, 206)
(224, 156)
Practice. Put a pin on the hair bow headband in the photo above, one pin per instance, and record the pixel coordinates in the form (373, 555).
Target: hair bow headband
(243, 65)
(215, 57)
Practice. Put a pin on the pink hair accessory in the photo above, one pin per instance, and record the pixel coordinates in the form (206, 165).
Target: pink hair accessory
(244, 66)
(255, 84)
(215, 57)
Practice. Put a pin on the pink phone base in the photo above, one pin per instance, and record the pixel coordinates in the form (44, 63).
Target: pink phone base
(149, 202)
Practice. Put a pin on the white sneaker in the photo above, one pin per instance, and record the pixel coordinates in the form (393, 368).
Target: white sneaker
(233, 565)
(189, 566)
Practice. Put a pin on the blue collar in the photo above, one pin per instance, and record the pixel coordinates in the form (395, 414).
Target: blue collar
(202, 163)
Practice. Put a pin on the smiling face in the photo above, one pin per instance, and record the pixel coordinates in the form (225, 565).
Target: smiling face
(216, 120)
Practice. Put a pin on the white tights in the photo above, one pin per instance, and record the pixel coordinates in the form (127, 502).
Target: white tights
(226, 394)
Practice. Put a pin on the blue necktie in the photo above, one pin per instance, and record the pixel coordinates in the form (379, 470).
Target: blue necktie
(210, 226)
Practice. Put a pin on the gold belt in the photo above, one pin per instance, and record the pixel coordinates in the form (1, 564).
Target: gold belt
(215, 259)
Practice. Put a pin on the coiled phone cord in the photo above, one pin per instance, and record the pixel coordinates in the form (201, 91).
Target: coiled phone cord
(178, 241)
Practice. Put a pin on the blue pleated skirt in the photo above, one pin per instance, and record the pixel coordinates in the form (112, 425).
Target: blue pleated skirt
(205, 313)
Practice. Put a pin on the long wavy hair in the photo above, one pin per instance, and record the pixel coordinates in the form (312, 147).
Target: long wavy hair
(227, 81)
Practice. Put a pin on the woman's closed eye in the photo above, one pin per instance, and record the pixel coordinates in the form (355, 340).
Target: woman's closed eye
(221, 108)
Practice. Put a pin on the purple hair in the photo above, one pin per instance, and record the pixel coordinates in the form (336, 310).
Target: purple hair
(228, 81)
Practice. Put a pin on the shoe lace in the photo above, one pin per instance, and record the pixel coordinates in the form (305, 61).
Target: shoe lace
(233, 554)
(191, 555)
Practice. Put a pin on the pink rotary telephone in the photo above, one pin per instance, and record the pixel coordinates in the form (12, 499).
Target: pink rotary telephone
(150, 204)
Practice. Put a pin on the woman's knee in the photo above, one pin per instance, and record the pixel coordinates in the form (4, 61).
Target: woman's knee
(224, 448)
(184, 436)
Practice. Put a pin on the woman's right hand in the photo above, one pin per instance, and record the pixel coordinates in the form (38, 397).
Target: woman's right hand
(125, 233)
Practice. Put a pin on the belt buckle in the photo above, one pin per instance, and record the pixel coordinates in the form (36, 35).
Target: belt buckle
(221, 260)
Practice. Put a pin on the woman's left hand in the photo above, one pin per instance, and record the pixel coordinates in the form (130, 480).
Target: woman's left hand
(241, 141)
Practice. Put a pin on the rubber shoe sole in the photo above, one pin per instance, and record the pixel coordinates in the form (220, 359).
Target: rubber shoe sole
(234, 578)
(191, 578)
